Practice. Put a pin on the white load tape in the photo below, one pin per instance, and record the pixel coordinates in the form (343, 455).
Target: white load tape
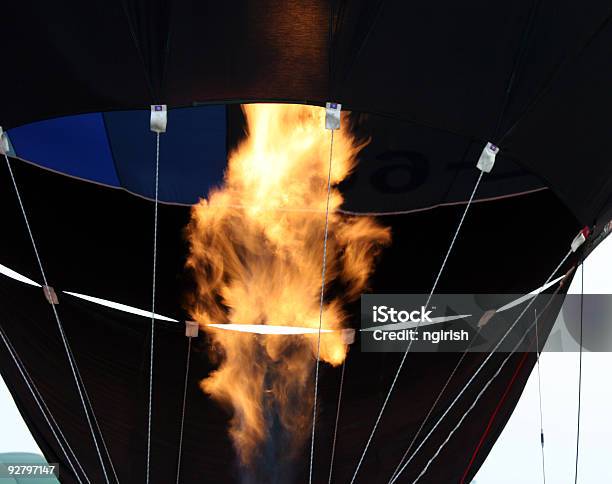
(348, 336)
(487, 158)
(332, 115)
(159, 118)
(5, 146)
(50, 295)
(191, 329)
(580, 238)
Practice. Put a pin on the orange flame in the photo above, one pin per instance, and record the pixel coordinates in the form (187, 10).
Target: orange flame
(256, 250)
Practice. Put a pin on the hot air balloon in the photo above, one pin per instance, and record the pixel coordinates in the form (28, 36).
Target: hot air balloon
(107, 193)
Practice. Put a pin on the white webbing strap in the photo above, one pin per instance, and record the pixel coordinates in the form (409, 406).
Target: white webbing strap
(580, 238)
(159, 118)
(332, 115)
(50, 295)
(487, 158)
(5, 146)
(71, 360)
(399, 368)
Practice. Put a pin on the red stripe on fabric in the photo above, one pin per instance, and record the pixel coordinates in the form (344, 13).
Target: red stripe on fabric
(493, 416)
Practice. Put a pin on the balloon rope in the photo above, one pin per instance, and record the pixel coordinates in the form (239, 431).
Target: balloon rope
(95, 420)
(540, 395)
(472, 340)
(473, 377)
(153, 308)
(323, 270)
(178, 466)
(579, 374)
(333, 452)
(40, 402)
(433, 406)
(399, 368)
(71, 361)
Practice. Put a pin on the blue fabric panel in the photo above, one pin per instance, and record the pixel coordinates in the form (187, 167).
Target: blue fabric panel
(75, 145)
(192, 152)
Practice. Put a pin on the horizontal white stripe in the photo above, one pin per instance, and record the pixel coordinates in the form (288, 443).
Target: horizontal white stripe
(18, 277)
(268, 329)
(121, 307)
(532, 294)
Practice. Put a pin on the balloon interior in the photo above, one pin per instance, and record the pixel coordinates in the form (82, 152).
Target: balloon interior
(197, 197)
